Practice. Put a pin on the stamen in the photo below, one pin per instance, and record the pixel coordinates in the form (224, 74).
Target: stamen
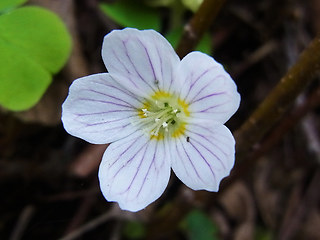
(161, 116)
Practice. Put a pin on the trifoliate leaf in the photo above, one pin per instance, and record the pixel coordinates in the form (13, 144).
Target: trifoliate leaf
(34, 44)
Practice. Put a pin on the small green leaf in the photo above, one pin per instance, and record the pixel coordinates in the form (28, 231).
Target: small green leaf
(22, 80)
(204, 45)
(199, 226)
(134, 230)
(193, 5)
(128, 13)
(9, 4)
(34, 44)
(263, 234)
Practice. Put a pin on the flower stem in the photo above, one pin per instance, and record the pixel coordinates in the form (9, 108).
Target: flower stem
(279, 100)
(197, 26)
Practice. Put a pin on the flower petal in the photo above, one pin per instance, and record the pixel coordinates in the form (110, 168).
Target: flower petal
(99, 110)
(134, 171)
(142, 61)
(209, 90)
(204, 156)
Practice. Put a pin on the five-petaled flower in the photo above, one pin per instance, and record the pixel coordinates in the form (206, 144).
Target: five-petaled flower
(159, 112)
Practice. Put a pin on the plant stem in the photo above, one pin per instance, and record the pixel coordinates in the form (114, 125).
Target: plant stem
(279, 100)
(197, 26)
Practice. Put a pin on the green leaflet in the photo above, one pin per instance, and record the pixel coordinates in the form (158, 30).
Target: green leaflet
(8, 4)
(199, 226)
(34, 44)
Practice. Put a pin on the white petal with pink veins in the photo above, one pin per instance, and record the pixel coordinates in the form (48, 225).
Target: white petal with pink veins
(134, 171)
(208, 89)
(203, 156)
(142, 61)
(99, 110)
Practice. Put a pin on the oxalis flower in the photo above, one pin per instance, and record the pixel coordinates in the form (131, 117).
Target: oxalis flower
(159, 113)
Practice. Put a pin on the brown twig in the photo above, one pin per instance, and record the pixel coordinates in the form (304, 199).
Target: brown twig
(279, 100)
(311, 198)
(22, 223)
(283, 127)
(197, 26)
(115, 212)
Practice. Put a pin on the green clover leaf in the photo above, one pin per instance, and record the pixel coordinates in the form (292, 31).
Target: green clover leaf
(34, 44)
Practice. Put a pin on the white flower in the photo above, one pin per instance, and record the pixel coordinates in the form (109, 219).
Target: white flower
(159, 113)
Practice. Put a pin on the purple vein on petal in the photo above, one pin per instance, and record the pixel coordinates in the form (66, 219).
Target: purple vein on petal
(198, 78)
(125, 67)
(196, 95)
(134, 67)
(205, 160)
(207, 96)
(121, 154)
(180, 159)
(195, 170)
(210, 150)
(149, 59)
(90, 125)
(101, 101)
(100, 113)
(161, 68)
(99, 123)
(215, 106)
(107, 95)
(128, 161)
(208, 140)
(138, 169)
(152, 163)
(119, 89)
(172, 77)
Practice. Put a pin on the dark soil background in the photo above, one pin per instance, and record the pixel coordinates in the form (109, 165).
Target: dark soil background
(48, 179)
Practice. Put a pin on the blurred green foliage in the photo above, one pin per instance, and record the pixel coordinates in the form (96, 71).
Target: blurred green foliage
(139, 14)
(8, 4)
(130, 13)
(134, 230)
(34, 44)
(199, 226)
(192, 5)
(263, 234)
(204, 45)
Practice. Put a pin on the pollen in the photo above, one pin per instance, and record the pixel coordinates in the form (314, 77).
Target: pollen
(163, 115)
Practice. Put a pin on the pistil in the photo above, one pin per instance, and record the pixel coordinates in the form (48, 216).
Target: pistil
(162, 115)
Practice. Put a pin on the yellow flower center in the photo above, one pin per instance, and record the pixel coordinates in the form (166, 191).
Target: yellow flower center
(163, 115)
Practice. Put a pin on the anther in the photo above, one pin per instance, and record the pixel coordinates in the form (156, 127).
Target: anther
(164, 124)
